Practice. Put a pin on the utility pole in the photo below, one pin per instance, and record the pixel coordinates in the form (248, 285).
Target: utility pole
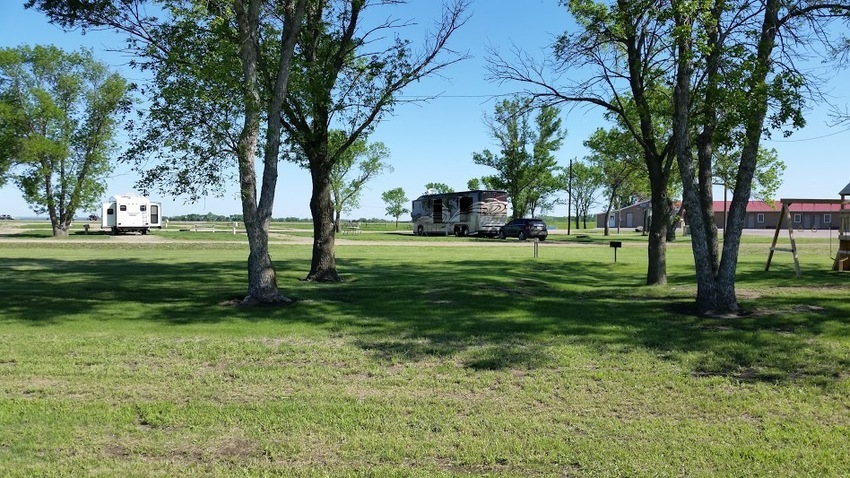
(569, 196)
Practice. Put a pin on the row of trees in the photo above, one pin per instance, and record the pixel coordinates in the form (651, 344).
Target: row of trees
(265, 79)
(685, 80)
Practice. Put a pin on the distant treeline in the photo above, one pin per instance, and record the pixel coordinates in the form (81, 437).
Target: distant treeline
(210, 217)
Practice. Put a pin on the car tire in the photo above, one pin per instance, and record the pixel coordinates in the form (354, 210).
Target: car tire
(542, 238)
(521, 236)
(502, 235)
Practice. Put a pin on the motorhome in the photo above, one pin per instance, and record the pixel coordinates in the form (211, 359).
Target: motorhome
(131, 213)
(478, 213)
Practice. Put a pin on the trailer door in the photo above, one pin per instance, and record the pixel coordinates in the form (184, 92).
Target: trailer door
(154, 214)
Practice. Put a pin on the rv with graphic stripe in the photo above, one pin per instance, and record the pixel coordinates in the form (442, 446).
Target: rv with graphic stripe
(466, 213)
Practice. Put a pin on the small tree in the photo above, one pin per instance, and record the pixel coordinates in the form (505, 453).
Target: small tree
(619, 159)
(58, 115)
(587, 179)
(395, 200)
(524, 165)
(355, 167)
(440, 188)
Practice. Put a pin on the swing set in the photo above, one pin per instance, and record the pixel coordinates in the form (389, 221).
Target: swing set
(842, 255)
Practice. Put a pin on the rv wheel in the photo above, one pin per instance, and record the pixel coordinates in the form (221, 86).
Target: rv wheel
(460, 232)
(420, 231)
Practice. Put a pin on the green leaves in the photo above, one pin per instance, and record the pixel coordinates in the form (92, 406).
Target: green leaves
(526, 167)
(395, 200)
(59, 113)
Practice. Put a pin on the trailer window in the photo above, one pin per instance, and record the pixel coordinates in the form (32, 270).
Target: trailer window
(466, 205)
(143, 208)
(110, 212)
(122, 207)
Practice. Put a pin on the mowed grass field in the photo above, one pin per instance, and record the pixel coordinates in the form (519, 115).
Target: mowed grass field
(128, 359)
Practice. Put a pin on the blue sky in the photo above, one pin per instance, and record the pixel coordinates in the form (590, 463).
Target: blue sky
(434, 141)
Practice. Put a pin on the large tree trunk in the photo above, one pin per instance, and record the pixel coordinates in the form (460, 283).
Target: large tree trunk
(262, 280)
(656, 273)
(672, 222)
(716, 280)
(709, 293)
(725, 300)
(323, 263)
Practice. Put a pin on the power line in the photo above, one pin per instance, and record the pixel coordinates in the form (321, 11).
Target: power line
(807, 139)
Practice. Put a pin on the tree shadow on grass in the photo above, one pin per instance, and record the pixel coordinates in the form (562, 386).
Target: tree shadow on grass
(486, 314)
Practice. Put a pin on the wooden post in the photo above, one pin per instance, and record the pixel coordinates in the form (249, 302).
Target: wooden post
(842, 256)
(786, 216)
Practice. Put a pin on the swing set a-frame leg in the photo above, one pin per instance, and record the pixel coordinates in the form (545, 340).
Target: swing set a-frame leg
(785, 215)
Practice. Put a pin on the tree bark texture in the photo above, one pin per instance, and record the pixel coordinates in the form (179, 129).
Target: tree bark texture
(323, 263)
(262, 279)
(656, 271)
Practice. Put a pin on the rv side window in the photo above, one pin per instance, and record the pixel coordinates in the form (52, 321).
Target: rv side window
(466, 205)
(438, 211)
(122, 207)
(143, 208)
(110, 212)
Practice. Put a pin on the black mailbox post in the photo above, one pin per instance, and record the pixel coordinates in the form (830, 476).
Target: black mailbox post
(616, 245)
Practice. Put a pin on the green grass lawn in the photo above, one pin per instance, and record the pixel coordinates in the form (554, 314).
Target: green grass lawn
(128, 359)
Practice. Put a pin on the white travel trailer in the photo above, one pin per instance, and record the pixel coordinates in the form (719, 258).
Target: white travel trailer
(130, 213)
(478, 213)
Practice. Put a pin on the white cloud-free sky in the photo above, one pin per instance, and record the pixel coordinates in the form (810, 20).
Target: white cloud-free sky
(434, 141)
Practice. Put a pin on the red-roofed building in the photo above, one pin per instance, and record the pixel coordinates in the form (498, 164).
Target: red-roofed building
(761, 215)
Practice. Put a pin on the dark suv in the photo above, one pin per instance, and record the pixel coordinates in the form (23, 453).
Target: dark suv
(524, 228)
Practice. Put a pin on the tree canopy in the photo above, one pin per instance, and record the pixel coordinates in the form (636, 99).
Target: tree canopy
(395, 200)
(347, 77)
(59, 113)
(220, 75)
(685, 78)
(525, 164)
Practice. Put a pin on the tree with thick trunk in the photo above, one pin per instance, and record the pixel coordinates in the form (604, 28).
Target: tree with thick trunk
(262, 281)
(621, 44)
(214, 84)
(740, 84)
(341, 82)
